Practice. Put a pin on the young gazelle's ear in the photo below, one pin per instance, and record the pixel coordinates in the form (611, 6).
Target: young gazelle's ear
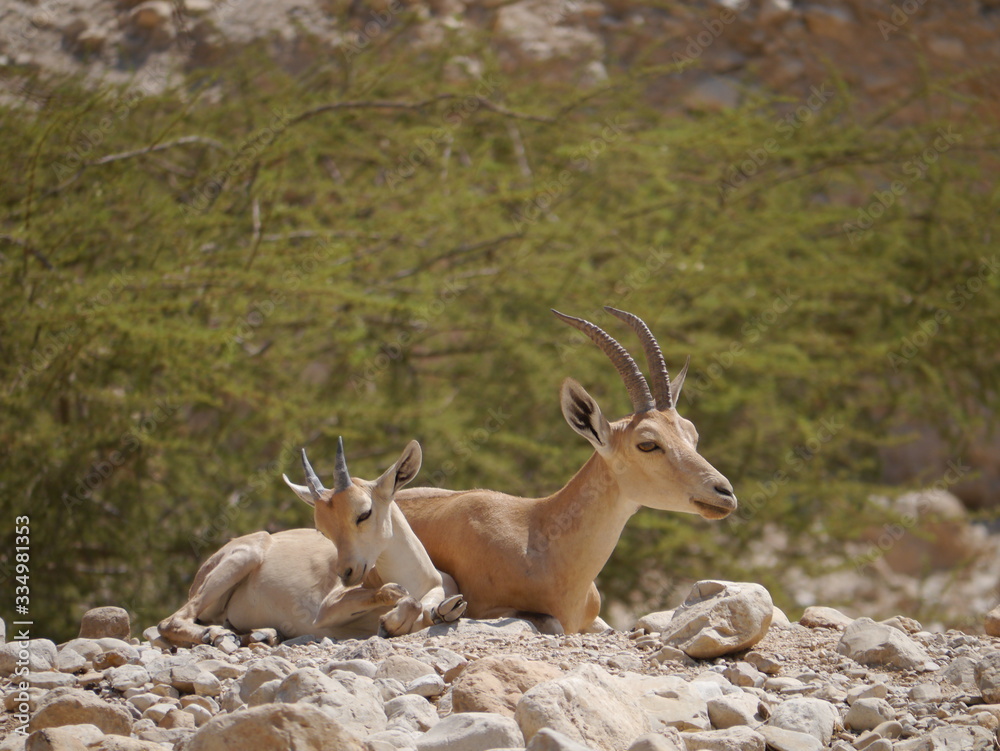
(400, 473)
(314, 491)
(301, 491)
(584, 416)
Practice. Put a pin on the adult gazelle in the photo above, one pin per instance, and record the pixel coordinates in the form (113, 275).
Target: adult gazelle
(537, 558)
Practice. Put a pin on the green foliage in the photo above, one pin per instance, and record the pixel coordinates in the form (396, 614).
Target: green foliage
(200, 282)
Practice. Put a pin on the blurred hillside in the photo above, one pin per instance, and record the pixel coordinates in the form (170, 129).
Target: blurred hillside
(229, 230)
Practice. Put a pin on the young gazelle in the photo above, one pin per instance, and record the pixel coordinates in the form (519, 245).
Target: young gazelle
(362, 571)
(537, 558)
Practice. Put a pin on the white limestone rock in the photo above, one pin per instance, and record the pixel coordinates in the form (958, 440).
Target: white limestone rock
(719, 618)
(875, 644)
(734, 710)
(739, 738)
(815, 717)
(588, 705)
(38, 654)
(275, 727)
(471, 731)
(353, 700)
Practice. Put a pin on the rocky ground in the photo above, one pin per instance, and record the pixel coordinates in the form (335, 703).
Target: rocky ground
(735, 46)
(725, 671)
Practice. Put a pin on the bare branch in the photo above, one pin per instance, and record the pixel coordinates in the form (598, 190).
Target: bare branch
(395, 105)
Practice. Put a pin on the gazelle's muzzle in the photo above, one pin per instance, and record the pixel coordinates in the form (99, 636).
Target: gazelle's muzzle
(353, 574)
(720, 504)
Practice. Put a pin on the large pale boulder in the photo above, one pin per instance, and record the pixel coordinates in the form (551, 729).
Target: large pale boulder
(732, 739)
(654, 623)
(672, 702)
(471, 731)
(868, 713)
(127, 676)
(275, 727)
(122, 743)
(496, 684)
(98, 623)
(352, 700)
(820, 616)
(588, 705)
(814, 717)
(992, 622)
(780, 739)
(733, 710)
(876, 644)
(411, 713)
(64, 738)
(267, 669)
(38, 654)
(987, 677)
(668, 740)
(72, 706)
(404, 669)
(719, 618)
(547, 739)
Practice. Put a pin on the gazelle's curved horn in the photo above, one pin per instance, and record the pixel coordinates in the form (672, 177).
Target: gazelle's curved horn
(315, 486)
(341, 477)
(654, 357)
(635, 383)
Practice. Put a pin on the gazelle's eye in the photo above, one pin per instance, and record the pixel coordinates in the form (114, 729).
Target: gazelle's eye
(364, 516)
(647, 446)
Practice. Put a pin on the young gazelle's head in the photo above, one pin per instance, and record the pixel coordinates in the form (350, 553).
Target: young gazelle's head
(653, 453)
(356, 515)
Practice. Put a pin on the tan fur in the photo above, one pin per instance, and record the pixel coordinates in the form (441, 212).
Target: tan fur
(539, 557)
(345, 579)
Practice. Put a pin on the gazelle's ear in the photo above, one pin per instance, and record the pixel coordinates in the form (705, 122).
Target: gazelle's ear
(677, 381)
(400, 473)
(584, 416)
(301, 491)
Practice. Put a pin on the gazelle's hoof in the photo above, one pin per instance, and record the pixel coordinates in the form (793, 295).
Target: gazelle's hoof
(450, 609)
(401, 619)
(223, 639)
(390, 594)
(267, 636)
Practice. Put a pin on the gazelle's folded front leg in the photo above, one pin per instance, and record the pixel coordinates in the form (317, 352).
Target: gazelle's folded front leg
(442, 604)
(346, 604)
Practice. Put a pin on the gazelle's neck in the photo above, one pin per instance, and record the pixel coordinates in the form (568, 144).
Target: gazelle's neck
(579, 525)
(405, 561)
